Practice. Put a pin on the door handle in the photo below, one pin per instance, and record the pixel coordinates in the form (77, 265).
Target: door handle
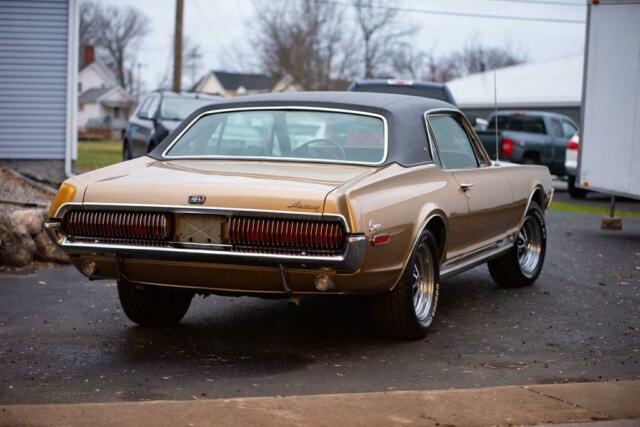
(466, 186)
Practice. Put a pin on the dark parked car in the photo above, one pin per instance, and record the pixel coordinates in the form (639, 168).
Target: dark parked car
(157, 115)
(438, 91)
(530, 137)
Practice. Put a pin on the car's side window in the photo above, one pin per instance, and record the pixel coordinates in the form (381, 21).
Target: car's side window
(568, 129)
(557, 128)
(144, 106)
(154, 103)
(454, 146)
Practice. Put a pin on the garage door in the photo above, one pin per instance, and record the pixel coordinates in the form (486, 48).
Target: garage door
(33, 78)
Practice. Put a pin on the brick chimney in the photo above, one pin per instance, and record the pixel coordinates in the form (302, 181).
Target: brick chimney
(88, 54)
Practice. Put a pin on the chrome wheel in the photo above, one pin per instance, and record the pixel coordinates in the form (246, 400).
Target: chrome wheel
(529, 244)
(424, 283)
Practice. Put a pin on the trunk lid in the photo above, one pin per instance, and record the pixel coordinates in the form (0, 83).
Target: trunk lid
(279, 186)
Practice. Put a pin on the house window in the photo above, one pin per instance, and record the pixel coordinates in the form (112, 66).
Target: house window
(80, 106)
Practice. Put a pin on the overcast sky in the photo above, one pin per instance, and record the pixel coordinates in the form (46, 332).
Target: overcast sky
(219, 26)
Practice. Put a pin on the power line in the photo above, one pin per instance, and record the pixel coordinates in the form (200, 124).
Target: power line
(550, 3)
(463, 14)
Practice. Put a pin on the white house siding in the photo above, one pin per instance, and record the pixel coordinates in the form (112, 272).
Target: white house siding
(90, 77)
(211, 85)
(34, 63)
(88, 111)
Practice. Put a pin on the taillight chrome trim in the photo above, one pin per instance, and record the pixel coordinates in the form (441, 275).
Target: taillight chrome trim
(213, 210)
(301, 228)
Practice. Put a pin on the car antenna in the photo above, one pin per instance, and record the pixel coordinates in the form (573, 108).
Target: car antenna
(495, 114)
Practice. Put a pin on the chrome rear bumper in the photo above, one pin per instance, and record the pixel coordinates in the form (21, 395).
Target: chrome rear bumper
(349, 261)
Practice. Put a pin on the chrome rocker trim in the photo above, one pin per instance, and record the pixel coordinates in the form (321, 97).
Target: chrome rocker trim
(350, 260)
(468, 262)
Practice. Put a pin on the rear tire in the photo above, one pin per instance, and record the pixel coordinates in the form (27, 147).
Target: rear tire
(406, 312)
(522, 264)
(575, 192)
(154, 306)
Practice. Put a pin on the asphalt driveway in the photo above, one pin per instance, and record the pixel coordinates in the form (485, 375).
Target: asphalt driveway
(65, 339)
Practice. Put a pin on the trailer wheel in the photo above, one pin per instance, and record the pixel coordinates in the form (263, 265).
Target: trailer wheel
(575, 192)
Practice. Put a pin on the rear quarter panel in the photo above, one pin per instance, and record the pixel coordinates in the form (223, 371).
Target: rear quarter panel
(397, 201)
(525, 179)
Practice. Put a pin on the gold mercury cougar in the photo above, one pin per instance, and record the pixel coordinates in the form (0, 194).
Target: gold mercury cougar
(307, 194)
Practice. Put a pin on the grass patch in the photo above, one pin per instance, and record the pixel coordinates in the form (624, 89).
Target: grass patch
(571, 207)
(97, 154)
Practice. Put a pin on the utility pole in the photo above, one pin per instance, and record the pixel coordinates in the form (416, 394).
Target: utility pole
(138, 85)
(177, 47)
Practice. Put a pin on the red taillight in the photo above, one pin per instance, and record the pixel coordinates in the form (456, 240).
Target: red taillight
(507, 147)
(117, 225)
(572, 145)
(267, 234)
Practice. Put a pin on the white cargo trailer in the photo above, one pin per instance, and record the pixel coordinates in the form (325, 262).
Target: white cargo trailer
(609, 159)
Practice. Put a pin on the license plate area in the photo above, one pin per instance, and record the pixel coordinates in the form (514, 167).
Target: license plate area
(201, 229)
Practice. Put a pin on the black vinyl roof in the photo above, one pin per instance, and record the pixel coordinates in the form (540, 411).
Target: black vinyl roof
(408, 143)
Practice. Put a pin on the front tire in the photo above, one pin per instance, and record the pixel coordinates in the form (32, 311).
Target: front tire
(522, 264)
(407, 311)
(154, 306)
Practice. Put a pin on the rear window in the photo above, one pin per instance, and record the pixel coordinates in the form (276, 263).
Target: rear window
(519, 124)
(285, 134)
(433, 93)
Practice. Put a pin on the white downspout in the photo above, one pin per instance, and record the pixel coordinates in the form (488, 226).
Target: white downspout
(71, 131)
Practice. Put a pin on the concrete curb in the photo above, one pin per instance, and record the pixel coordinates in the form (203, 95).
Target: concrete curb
(510, 405)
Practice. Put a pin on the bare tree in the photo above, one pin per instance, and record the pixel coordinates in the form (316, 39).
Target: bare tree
(411, 63)
(301, 39)
(117, 33)
(87, 30)
(313, 42)
(476, 57)
(379, 25)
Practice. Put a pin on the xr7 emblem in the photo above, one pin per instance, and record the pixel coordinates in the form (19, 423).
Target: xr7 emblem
(196, 199)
